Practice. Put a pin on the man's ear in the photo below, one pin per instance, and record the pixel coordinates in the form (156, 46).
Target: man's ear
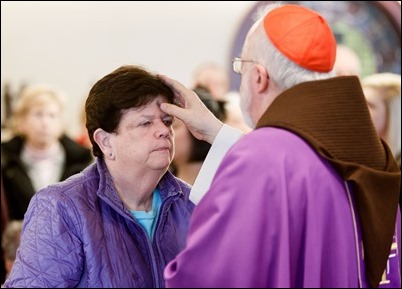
(262, 78)
(105, 142)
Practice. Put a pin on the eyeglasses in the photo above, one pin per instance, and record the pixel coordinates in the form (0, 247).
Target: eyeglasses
(238, 63)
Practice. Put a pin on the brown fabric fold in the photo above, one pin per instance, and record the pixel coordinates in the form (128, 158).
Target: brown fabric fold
(332, 116)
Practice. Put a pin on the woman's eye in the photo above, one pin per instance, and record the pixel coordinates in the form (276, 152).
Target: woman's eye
(168, 122)
(147, 123)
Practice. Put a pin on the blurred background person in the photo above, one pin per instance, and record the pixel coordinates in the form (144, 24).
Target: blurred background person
(383, 96)
(215, 79)
(83, 138)
(191, 152)
(39, 152)
(347, 62)
(4, 221)
(10, 241)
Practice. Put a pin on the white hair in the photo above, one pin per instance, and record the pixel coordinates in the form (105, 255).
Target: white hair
(282, 71)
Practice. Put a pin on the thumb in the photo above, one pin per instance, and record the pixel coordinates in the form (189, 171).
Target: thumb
(173, 109)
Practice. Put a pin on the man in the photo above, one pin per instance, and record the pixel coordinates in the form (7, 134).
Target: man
(310, 197)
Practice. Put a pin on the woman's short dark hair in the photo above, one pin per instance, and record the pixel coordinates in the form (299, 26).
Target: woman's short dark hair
(199, 148)
(127, 87)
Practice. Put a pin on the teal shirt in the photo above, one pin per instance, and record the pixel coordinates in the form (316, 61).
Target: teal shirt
(148, 219)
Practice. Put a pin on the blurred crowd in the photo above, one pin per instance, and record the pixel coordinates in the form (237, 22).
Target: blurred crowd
(38, 152)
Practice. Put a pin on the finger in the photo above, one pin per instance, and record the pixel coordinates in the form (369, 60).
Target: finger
(174, 110)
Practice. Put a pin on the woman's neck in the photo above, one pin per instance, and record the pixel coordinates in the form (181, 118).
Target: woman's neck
(136, 188)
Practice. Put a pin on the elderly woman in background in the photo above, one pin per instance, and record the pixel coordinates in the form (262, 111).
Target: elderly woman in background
(383, 95)
(120, 221)
(40, 153)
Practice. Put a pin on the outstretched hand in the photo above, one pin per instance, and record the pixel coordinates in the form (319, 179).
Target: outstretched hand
(189, 108)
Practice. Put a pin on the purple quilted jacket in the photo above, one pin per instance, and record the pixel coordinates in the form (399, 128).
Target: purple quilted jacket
(78, 233)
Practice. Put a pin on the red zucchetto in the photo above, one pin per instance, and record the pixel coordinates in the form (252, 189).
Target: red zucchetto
(303, 36)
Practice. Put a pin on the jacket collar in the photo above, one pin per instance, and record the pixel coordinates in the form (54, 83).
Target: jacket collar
(168, 187)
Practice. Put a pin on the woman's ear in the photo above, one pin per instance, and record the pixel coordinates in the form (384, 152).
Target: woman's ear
(104, 141)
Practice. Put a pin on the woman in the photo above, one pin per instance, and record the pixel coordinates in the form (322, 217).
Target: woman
(40, 153)
(383, 95)
(120, 221)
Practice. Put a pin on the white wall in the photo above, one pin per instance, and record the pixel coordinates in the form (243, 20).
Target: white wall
(70, 45)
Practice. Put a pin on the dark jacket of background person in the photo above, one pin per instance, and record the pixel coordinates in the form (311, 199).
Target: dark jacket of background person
(200, 148)
(111, 255)
(18, 185)
(4, 220)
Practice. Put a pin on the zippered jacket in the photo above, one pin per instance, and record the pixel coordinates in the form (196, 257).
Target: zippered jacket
(78, 233)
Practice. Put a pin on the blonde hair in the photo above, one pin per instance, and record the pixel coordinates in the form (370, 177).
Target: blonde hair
(389, 84)
(30, 96)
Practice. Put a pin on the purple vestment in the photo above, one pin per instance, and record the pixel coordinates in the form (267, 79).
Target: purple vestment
(276, 215)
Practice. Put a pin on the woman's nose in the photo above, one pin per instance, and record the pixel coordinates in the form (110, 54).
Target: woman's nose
(163, 130)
